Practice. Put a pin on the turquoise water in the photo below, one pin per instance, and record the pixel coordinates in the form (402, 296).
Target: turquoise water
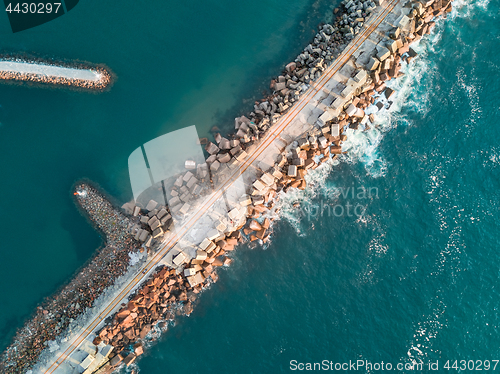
(414, 278)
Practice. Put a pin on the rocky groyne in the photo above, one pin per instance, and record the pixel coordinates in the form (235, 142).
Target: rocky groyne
(54, 315)
(36, 70)
(173, 290)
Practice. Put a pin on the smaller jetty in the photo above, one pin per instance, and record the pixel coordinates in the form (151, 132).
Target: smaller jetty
(54, 315)
(50, 72)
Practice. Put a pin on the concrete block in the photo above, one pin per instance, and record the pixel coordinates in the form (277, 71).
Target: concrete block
(179, 259)
(349, 90)
(276, 173)
(211, 148)
(392, 45)
(136, 212)
(404, 22)
(187, 177)
(162, 213)
(223, 158)
(151, 205)
(215, 166)
(201, 255)
(351, 110)
(157, 232)
(382, 53)
(204, 244)
(185, 208)
(190, 165)
(258, 185)
(335, 130)
(361, 77)
(212, 234)
(279, 86)
(325, 117)
(267, 179)
(245, 200)
(337, 103)
(240, 156)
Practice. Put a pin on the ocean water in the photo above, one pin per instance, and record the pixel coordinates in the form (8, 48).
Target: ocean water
(410, 276)
(194, 62)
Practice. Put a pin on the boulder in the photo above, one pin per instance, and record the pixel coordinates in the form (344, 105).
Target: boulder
(261, 233)
(254, 225)
(372, 64)
(211, 148)
(280, 86)
(291, 67)
(351, 110)
(383, 53)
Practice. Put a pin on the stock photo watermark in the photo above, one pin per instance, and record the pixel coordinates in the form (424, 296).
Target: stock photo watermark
(350, 202)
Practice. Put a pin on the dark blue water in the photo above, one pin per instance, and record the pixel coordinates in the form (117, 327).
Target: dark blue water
(414, 278)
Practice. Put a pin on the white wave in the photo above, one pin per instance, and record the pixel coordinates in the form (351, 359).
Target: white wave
(466, 8)
(363, 146)
(316, 185)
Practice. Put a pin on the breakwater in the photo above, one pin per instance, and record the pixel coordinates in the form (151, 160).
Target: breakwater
(168, 289)
(54, 316)
(156, 299)
(37, 70)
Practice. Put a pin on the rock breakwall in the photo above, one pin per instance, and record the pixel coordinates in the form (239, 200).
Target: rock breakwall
(54, 315)
(171, 290)
(36, 70)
